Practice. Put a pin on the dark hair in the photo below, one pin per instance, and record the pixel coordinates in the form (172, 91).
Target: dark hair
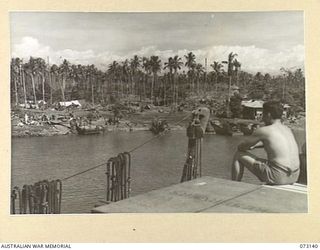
(274, 108)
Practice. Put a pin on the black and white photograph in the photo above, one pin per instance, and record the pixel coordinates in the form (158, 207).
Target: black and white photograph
(158, 112)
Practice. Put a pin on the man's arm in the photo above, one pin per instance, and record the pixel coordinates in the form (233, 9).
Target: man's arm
(253, 141)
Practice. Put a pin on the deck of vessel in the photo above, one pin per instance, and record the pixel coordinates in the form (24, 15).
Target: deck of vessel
(214, 195)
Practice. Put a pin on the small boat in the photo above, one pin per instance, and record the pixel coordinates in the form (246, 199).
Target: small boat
(223, 129)
(158, 126)
(209, 128)
(247, 129)
(90, 130)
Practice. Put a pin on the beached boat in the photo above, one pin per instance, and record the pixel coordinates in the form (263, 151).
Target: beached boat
(90, 130)
(158, 126)
(246, 129)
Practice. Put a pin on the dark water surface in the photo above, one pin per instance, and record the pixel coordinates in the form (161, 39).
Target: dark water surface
(155, 165)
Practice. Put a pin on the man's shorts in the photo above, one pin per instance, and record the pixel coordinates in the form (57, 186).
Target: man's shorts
(273, 173)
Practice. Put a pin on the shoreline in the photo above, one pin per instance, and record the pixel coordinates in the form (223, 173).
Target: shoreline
(60, 130)
(132, 122)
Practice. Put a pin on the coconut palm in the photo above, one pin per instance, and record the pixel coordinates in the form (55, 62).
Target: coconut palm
(31, 68)
(190, 63)
(134, 66)
(15, 74)
(177, 63)
(170, 65)
(112, 72)
(237, 66)
(216, 66)
(22, 77)
(199, 70)
(41, 67)
(155, 65)
(125, 71)
(64, 71)
(147, 69)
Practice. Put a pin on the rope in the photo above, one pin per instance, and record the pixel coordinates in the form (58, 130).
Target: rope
(84, 171)
(45, 196)
(130, 151)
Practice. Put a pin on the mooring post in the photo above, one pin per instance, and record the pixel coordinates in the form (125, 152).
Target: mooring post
(192, 167)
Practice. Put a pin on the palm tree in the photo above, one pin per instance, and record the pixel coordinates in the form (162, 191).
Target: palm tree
(92, 71)
(230, 63)
(216, 66)
(199, 70)
(169, 65)
(64, 70)
(177, 63)
(147, 69)
(41, 67)
(190, 63)
(22, 77)
(15, 73)
(134, 66)
(237, 66)
(125, 74)
(112, 71)
(31, 71)
(155, 65)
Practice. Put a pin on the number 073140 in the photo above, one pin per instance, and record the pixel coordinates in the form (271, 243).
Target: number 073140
(309, 245)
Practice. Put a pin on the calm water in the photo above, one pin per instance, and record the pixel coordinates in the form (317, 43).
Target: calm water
(157, 164)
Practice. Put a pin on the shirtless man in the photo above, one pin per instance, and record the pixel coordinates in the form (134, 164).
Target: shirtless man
(282, 165)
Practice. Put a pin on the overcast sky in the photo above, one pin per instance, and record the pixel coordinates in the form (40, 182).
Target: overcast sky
(264, 41)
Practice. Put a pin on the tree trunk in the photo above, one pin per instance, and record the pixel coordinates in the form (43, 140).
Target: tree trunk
(24, 87)
(92, 93)
(216, 83)
(50, 83)
(43, 92)
(61, 87)
(34, 89)
(165, 82)
(198, 85)
(152, 88)
(16, 90)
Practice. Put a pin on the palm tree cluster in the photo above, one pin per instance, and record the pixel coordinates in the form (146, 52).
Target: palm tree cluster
(148, 79)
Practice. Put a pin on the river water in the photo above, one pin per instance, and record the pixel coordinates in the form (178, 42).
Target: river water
(155, 165)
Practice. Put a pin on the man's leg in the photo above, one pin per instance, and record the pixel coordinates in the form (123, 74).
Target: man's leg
(240, 161)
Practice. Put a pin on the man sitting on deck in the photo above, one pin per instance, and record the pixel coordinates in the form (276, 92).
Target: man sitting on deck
(282, 165)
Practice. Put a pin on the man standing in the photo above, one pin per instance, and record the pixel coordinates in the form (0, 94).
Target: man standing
(282, 165)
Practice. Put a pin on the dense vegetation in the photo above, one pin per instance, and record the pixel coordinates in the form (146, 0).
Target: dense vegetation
(149, 79)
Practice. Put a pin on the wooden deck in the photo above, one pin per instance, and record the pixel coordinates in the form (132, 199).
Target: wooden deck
(213, 195)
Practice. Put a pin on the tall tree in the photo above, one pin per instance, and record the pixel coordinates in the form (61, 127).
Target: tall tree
(155, 65)
(216, 66)
(190, 63)
(237, 66)
(170, 65)
(177, 63)
(199, 69)
(31, 68)
(64, 71)
(15, 74)
(146, 65)
(134, 66)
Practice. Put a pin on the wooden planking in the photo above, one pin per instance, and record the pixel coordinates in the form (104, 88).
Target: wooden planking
(265, 200)
(208, 194)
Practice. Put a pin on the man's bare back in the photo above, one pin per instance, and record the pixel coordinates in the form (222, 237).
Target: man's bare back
(282, 165)
(280, 144)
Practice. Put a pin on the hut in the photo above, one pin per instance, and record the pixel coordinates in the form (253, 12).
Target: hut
(252, 109)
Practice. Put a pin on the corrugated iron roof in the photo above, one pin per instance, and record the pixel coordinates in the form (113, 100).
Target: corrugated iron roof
(253, 103)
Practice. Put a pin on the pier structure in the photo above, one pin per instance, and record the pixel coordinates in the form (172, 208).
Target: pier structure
(213, 195)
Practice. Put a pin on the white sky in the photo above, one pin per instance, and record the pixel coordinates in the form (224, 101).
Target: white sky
(264, 41)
